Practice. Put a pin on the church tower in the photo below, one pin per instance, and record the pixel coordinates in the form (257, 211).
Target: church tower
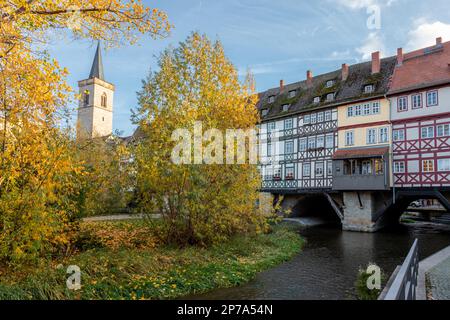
(95, 111)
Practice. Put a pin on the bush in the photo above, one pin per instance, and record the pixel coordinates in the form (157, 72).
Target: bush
(362, 290)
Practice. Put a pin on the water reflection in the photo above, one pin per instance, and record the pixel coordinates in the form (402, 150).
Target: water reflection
(327, 266)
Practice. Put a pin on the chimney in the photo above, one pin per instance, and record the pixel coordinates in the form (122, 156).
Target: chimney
(309, 77)
(439, 41)
(399, 56)
(376, 64)
(281, 86)
(344, 72)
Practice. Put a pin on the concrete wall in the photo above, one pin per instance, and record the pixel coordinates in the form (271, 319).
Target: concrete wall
(363, 217)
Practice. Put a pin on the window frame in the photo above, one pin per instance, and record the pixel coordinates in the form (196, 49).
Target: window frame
(378, 108)
(427, 137)
(319, 165)
(381, 135)
(289, 143)
(413, 101)
(402, 98)
(398, 165)
(348, 134)
(292, 93)
(271, 99)
(368, 135)
(437, 98)
(369, 86)
(291, 121)
(307, 116)
(308, 173)
(426, 166)
(443, 130)
(394, 131)
(286, 175)
(448, 165)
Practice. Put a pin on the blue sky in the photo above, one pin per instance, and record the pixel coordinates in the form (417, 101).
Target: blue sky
(275, 39)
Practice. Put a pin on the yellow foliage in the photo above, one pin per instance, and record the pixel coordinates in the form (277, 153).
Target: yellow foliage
(199, 203)
(40, 172)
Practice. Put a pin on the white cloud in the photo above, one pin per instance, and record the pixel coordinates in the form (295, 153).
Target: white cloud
(372, 43)
(425, 34)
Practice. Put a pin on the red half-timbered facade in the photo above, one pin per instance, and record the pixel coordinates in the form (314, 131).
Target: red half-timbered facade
(420, 114)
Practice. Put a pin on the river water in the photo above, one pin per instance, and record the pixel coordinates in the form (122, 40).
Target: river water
(327, 266)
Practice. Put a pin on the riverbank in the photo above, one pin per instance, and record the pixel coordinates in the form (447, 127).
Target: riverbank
(154, 272)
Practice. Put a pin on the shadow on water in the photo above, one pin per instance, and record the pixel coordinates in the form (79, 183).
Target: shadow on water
(328, 264)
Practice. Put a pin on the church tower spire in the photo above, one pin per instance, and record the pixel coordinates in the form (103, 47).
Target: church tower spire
(95, 111)
(97, 65)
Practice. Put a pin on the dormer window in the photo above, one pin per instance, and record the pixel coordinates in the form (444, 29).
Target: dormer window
(264, 112)
(316, 100)
(292, 93)
(330, 83)
(271, 99)
(285, 107)
(330, 97)
(369, 88)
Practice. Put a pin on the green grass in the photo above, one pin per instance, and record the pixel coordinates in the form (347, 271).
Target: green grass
(161, 273)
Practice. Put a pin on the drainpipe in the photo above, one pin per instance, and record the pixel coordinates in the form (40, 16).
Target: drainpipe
(391, 151)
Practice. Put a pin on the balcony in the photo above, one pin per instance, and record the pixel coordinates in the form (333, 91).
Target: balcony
(361, 169)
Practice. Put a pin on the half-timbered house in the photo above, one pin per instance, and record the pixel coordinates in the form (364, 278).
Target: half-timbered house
(420, 113)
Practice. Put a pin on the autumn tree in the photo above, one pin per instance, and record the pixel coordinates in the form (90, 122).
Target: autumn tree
(199, 203)
(39, 169)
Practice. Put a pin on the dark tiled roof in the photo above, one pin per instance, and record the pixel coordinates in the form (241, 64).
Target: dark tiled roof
(97, 65)
(345, 91)
(360, 153)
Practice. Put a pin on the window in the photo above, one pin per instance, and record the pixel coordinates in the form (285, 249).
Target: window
(432, 98)
(375, 108)
(320, 117)
(349, 138)
(329, 143)
(103, 100)
(379, 166)
(329, 168)
(271, 99)
(269, 174)
(289, 147)
(416, 101)
(302, 144)
(350, 112)
(319, 169)
(313, 118)
(307, 119)
(371, 136)
(384, 135)
(86, 98)
(285, 107)
(368, 89)
(358, 111)
(320, 142)
(264, 112)
(311, 143)
(277, 174)
(399, 167)
(306, 169)
(398, 135)
(427, 165)
(288, 124)
(316, 100)
(330, 83)
(330, 97)
(367, 167)
(289, 173)
(271, 126)
(402, 104)
(269, 149)
(444, 165)
(443, 130)
(427, 132)
(292, 93)
(366, 109)
(328, 116)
